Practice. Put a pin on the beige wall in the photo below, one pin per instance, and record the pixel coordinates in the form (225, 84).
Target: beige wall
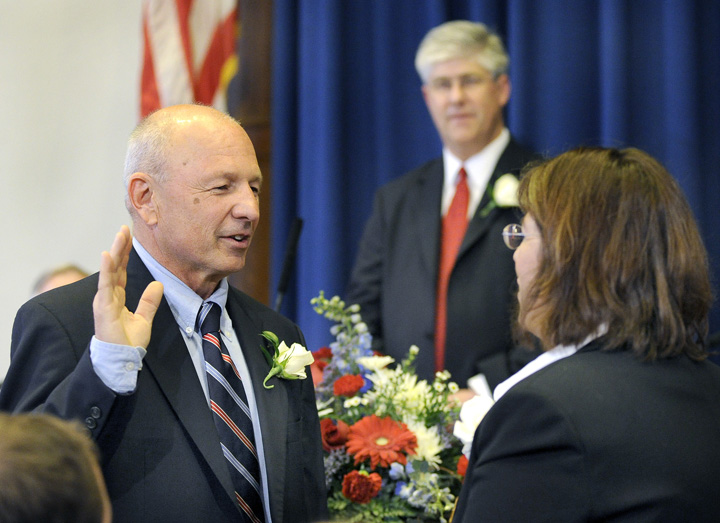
(68, 99)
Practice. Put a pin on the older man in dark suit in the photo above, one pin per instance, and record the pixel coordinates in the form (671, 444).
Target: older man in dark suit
(140, 381)
(431, 269)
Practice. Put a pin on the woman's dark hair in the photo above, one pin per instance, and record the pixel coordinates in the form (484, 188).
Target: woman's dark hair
(620, 248)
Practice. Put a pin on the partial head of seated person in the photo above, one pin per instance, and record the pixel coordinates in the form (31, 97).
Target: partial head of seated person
(63, 275)
(49, 471)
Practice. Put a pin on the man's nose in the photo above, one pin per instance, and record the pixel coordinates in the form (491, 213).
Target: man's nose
(457, 90)
(246, 204)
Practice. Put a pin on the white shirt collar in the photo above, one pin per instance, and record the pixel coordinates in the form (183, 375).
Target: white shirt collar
(183, 301)
(479, 169)
(542, 361)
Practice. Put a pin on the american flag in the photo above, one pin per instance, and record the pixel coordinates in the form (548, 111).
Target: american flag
(189, 52)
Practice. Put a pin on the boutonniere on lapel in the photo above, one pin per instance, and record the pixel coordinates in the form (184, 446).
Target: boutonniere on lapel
(285, 362)
(502, 194)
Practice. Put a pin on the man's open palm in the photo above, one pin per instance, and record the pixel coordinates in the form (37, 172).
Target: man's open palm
(114, 323)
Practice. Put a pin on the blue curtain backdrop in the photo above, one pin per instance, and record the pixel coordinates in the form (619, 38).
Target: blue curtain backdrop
(348, 114)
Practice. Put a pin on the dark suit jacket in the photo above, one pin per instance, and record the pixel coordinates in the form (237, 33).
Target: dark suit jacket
(600, 436)
(394, 279)
(160, 449)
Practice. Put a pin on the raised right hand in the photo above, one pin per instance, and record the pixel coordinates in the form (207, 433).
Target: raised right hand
(114, 323)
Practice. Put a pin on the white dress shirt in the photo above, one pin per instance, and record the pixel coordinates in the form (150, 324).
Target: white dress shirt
(479, 169)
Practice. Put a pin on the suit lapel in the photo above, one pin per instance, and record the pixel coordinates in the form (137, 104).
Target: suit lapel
(169, 362)
(428, 194)
(272, 404)
(478, 226)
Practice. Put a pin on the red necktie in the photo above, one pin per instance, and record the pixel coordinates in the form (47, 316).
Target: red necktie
(454, 225)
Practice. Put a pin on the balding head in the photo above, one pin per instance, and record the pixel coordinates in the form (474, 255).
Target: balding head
(147, 149)
(193, 185)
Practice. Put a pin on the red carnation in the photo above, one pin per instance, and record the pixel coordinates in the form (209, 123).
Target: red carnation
(348, 385)
(462, 465)
(361, 487)
(334, 434)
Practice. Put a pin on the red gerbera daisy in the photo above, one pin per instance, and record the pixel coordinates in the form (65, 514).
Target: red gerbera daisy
(383, 440)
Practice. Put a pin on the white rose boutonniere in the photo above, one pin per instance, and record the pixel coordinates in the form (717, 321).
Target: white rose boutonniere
(286, 362)
(502, 194)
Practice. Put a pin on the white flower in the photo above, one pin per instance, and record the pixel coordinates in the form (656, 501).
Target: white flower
(375, 363)
(443, 375)
(411, 393)
(505, 191)
(286, 362)
(429, 444)
(351, 402)
(502, 194)
(471, 414)
(294, 359)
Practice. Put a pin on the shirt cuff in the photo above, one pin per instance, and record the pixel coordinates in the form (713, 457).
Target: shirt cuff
(479, 385)
(116, 365)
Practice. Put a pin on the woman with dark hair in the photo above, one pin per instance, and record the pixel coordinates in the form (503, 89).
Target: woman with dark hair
(619, 418)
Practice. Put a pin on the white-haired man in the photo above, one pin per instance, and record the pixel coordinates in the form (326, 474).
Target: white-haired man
(446, 283)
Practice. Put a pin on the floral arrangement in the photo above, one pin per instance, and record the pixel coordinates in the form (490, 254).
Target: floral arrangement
(502, 194)
(390, 454)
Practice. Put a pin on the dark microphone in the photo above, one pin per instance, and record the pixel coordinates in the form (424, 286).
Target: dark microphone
(289, 261)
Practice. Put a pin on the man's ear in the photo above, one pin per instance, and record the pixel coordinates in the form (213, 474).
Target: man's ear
(425, 94)
(503, 83)
(141, 189)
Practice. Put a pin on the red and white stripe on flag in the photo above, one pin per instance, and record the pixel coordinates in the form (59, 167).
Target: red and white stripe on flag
(189, 52)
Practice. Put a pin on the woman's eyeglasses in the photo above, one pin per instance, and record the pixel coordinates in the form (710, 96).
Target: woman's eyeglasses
(513, 235)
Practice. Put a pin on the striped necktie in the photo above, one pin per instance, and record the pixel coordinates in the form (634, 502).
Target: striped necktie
(231, 414)
(454, 225)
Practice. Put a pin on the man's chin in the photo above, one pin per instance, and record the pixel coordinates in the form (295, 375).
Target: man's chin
(236, 265)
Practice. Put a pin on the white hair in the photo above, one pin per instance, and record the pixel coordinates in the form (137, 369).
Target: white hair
(461, 39)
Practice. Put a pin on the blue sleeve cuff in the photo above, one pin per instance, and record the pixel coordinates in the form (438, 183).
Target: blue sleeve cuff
(116, 365)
